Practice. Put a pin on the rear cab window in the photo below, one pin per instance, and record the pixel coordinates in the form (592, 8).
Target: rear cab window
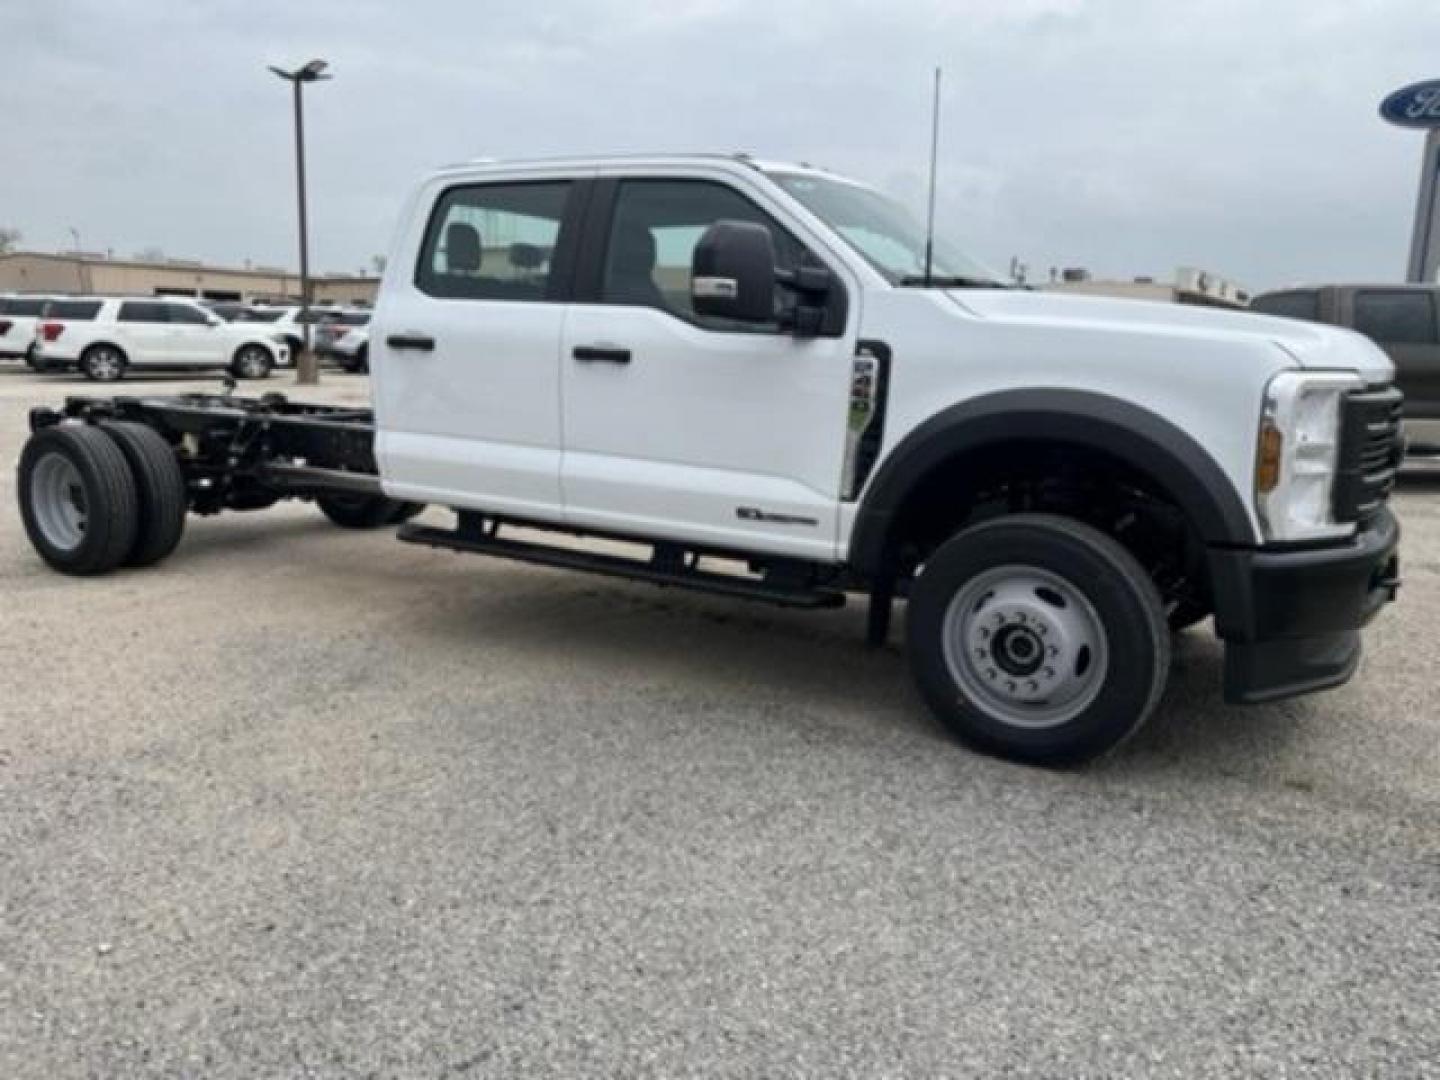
(1396, 316)
(494, 241)
(1294, 304)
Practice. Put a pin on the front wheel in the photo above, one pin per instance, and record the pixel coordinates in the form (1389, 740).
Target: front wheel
(1038, 638)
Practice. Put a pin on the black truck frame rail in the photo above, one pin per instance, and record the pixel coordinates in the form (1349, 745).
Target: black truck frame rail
(246, 453)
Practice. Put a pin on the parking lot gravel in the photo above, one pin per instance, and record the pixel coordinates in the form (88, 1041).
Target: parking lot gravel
(304, 802)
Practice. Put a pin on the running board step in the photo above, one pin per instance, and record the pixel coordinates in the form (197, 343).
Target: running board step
(618, 566)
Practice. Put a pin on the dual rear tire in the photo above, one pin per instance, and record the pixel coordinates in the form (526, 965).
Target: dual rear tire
(94, 497)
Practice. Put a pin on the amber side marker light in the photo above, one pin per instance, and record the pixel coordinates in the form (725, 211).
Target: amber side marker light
(1267, 459)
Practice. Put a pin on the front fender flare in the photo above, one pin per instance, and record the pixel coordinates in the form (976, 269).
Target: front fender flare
(1142, 439)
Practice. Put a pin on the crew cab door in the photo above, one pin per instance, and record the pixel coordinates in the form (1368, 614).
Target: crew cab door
(465, 346)
(684, 427)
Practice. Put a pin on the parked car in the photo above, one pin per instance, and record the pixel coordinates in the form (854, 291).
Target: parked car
(351, 350)
(105, 337)
(1404, 320)
(758, 366)
(336, 324)
(19, 316)
(287, 322)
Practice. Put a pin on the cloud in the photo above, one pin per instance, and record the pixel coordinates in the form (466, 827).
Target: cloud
(1127, 135)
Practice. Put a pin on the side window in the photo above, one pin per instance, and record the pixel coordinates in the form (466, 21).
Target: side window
(142, 311)
(184, 313)
(74, 310)
(1299, 304)
(653, 234)
(1396, 317)
(493, 241)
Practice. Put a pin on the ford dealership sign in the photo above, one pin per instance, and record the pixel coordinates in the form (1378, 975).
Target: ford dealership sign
(1417, 105)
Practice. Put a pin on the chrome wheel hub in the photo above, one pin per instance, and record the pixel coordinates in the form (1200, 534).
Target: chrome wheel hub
(1026, 646)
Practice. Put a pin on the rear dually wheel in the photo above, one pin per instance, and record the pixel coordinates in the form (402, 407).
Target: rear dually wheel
(78, 499)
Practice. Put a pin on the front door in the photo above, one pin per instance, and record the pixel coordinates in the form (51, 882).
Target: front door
(467, 387)
(681, 426)
(193, 339)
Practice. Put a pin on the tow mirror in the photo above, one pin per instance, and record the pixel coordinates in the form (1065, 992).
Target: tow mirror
(732, 272)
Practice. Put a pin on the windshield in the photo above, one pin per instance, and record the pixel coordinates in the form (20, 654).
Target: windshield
(259, 315)
(884, 233)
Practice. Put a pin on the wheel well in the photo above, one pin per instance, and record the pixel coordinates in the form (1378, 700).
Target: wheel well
(1035, 475)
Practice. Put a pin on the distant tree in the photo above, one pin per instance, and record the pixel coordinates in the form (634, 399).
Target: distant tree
(377, 263)
(9, 239)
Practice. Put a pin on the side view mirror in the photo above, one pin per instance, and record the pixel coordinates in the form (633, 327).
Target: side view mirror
(732, 272)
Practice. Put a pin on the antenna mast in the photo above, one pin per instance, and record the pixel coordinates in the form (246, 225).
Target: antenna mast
(934, 153)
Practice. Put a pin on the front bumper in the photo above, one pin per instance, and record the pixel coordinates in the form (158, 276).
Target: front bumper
(1291, 619)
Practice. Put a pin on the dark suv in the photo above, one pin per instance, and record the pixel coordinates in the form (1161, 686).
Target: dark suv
(1404, 320)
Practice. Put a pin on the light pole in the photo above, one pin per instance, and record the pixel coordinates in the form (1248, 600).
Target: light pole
(307, 371)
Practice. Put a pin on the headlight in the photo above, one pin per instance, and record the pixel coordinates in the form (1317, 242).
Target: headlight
(1295, 459)
(279, 339)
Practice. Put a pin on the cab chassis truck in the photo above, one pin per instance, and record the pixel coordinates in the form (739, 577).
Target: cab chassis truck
(766, 374)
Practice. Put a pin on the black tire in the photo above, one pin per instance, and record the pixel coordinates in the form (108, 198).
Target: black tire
(160, 487)
(104, 363)
(78, 499)
(1090, 590)
(252, 361)
(365, 511)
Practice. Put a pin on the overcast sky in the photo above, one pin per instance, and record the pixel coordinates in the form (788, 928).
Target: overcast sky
(1130, 136)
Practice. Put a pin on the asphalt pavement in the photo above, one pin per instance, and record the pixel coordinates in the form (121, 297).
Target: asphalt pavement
(306, 802)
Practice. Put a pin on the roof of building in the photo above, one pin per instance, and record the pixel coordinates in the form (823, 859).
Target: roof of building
(88, 258)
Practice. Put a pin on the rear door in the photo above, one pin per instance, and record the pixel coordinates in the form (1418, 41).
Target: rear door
(465, 345)
(1406, 324)
(686, 427)
(144, 332)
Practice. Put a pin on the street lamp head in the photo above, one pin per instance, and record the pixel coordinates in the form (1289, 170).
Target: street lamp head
(314, 71)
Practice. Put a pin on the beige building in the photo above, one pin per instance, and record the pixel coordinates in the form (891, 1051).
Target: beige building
(1188, 286)
(39, 272)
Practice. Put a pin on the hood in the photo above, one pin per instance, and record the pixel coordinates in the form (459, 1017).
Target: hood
(1311, 345)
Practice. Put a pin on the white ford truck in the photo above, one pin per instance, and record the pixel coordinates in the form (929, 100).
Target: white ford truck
(749, 369)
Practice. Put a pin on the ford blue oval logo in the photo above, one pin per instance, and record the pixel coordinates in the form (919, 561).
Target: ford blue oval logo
(1417, 105)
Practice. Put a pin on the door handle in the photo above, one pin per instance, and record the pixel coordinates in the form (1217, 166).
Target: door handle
(411, 339)
(601, 354)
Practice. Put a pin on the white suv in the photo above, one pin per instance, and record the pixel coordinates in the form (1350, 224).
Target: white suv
(111, 336)
(18, 318)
